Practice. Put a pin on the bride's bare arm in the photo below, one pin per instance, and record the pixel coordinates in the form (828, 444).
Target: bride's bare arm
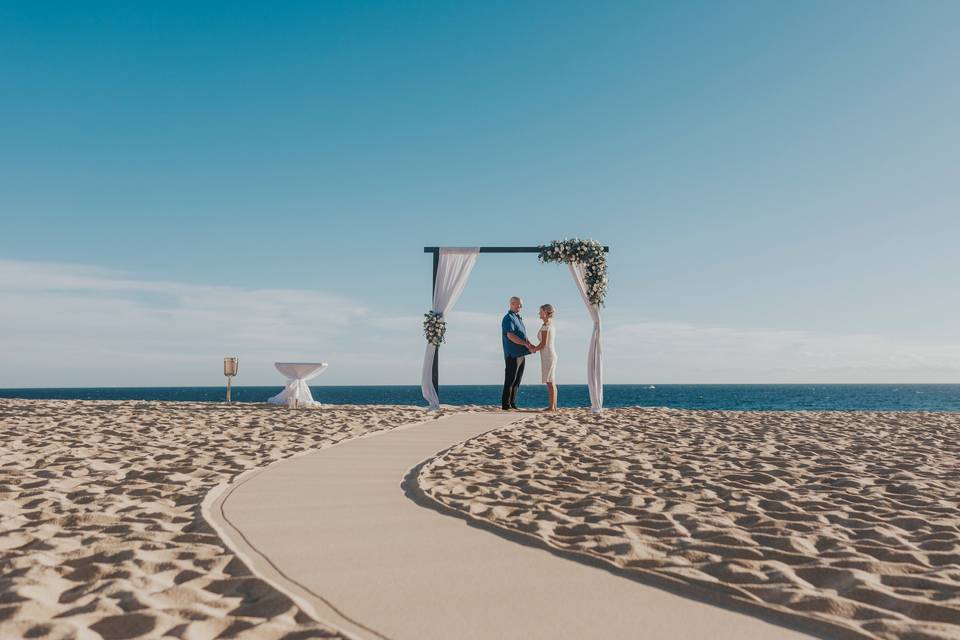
(542, 336)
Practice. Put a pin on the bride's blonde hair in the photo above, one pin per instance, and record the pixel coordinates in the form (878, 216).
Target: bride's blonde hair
(548, 308)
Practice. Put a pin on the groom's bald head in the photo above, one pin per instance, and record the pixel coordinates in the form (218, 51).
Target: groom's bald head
(516, 304)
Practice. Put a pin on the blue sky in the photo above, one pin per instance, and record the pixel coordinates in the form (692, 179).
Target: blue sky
(778, 183)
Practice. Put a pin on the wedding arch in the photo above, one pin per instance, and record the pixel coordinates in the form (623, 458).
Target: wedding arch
(451, 268)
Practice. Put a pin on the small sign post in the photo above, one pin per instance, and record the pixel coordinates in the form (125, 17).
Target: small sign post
(230, 366)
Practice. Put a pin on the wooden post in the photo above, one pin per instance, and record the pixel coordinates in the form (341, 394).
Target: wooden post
(230, 368)
(436, 354)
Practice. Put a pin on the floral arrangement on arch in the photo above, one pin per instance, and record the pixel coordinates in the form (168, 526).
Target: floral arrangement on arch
(434, 327)
(588, 252)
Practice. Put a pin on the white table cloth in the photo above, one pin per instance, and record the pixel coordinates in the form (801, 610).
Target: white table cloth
(297, 393)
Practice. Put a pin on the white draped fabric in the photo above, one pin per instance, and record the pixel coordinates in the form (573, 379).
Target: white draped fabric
(595, 354)
(297, 393)
(453, 269)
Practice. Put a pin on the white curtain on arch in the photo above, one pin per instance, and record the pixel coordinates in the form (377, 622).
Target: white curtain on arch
(453, 269)
(595, 354)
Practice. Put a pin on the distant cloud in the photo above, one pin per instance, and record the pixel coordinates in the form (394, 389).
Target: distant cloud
(77, 325)
(72, 324)
(681, 352)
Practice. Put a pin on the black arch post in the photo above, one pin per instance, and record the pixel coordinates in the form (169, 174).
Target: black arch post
(436, 354)
(436, 263)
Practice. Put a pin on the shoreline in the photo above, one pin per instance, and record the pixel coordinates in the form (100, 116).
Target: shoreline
(932, 398)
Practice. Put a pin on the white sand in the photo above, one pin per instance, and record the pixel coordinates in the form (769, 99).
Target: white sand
(101, 533)
(335, 530)
(848, 521)
(842, 519)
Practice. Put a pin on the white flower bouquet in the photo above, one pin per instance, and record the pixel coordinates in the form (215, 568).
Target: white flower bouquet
(588, 252)
(434, 327)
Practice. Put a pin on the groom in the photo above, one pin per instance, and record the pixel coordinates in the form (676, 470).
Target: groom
(515, 347)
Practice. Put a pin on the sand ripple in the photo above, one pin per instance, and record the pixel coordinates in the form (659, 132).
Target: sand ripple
(101, 533)
(847, 520)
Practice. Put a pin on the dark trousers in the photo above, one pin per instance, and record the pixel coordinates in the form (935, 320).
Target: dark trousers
(512, 374)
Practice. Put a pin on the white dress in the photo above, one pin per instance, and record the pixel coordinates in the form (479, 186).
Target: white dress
(548, 355)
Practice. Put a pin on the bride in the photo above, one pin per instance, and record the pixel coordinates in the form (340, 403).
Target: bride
(548, 354)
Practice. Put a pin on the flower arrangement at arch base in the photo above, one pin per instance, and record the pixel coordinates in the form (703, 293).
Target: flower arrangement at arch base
(587, 252)
(434, 327)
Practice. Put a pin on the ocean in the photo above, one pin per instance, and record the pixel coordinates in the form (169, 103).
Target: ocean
(732, 397)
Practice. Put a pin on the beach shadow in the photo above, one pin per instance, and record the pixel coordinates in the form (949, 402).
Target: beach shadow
(817, 628)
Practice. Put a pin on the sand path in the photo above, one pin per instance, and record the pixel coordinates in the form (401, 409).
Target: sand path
(335, 531)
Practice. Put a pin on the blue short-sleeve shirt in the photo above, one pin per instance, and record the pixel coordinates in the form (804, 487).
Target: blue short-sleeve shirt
(513, 323)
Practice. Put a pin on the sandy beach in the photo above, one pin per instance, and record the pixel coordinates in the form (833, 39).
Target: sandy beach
(480, 320)
(101, 531)
(849, 522)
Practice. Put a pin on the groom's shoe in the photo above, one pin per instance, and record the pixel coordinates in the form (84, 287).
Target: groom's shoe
(514, 407)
